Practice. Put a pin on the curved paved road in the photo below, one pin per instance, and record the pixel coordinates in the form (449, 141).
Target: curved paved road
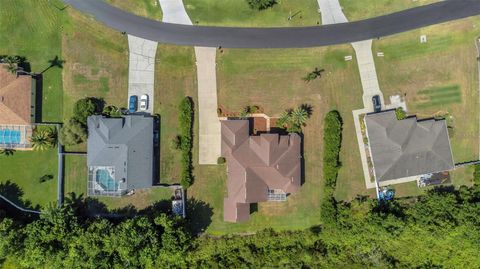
(288, 37)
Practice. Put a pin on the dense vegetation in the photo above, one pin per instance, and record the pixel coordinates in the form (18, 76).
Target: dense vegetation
(185, 119)
(438, 230)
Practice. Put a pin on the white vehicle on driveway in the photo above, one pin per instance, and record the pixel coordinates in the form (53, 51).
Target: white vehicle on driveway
(144, 102)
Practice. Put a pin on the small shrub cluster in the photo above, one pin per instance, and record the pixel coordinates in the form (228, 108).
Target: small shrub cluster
(74, 131)
(185, 118)
(112, 111)
(401, 114)
(332, 141)
(261, 4)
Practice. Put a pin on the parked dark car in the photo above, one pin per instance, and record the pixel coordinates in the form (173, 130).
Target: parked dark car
(132, 104)
(377, 104)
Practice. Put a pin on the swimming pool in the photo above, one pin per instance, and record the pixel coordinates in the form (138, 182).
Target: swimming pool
(103, 178)
(8, 136)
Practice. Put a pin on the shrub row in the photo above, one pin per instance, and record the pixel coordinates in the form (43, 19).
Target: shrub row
(185, 119)
(332, 140)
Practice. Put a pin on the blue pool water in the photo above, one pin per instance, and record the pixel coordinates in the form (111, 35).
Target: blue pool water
(8, 136)
(105, 180)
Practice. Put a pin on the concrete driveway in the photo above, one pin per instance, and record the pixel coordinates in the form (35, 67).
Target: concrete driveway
(209, 125)
(141, 69)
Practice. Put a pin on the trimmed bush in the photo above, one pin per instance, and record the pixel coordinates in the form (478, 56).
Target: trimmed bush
(400, 113)
(185, 118)
(221, 160)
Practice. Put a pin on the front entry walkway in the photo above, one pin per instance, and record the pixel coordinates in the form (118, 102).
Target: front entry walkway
(209, 124)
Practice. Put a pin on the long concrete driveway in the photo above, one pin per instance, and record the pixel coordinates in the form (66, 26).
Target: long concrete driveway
(141, 68)
(288, 37)
(331, 14)
(209, 125)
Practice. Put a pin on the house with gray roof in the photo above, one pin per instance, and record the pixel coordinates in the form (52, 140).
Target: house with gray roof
(119, 154)
(407, 148)
(260, 168)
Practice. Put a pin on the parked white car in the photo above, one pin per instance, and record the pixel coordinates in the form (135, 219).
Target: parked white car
(144, 102)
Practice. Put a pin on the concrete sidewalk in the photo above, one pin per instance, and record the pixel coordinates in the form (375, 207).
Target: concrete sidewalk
(209, 124)
(141, 68)
(331, 12)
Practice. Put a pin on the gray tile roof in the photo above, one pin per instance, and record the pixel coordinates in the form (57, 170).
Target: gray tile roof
(125, 143)
(404, 148)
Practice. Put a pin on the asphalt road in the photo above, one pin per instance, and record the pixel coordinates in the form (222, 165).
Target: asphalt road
(287, 37)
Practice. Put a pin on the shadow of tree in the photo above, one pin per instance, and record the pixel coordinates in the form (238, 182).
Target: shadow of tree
(14, 193)
(199, 215)
(92, 207)
(55, 62)
(7, 152)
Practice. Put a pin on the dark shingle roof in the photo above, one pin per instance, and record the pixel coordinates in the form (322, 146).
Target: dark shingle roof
(404, 148)
(125, 143)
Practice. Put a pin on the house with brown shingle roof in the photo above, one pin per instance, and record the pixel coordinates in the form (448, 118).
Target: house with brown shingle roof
(17, 108)
(260, 168)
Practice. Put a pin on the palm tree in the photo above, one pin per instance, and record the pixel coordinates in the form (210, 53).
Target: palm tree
(12, 63)
(284, 118)
(43, 139)
(299, 116)
(313, 75)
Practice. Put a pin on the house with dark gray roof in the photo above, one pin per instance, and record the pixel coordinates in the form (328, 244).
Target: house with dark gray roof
(260, 168)
(408, 147)
(120, 154)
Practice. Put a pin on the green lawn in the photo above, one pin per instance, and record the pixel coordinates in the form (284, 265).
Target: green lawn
(239, 13)
(32, 29)
(357, 10)
(146, 8)
(175, 78)
(75, 174)
(24, 168)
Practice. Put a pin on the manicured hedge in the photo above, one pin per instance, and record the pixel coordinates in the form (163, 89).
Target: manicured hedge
(185, 119)
(332, 140)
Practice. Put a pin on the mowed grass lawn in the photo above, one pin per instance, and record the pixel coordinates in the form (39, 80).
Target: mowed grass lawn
(356, 10)
(24, 168)
(239, 13)
(146, 8)
(272, 79)
(437, 77)
(175, 78)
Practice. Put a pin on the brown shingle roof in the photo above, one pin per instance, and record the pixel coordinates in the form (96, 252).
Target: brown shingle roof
(15, 98)
(255, 165)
